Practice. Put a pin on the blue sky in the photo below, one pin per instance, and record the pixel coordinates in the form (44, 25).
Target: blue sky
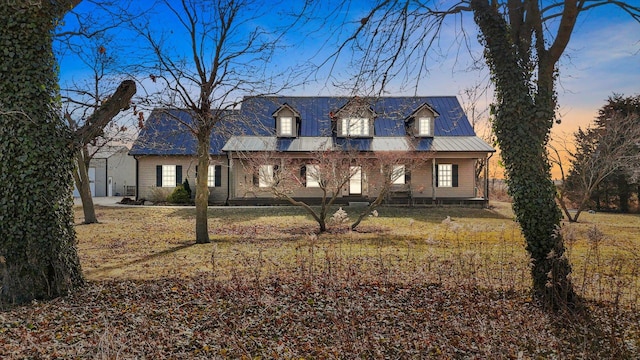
(603, 58)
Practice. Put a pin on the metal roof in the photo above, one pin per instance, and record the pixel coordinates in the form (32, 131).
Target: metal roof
(252, 128)
(166, 133)
(453, 144)
(438, 144)
(391, 114)
(272, 143)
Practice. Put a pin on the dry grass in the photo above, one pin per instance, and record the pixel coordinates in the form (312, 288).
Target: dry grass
(444, 283)
(477, 247)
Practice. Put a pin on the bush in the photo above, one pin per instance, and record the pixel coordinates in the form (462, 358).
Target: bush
(185, 185)
(179, 196)
(159, 194)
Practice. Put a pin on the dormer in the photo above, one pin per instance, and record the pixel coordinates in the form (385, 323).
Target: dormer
(355, 119)
(287, 121)
(421, 123)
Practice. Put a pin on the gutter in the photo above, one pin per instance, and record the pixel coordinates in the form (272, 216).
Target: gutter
(137, 172)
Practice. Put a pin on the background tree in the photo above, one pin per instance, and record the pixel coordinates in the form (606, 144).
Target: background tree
(610, 149)
(84, 97)
(475, 102)
(225, 57)
(523, 41)
(621, 109)
(38, 255)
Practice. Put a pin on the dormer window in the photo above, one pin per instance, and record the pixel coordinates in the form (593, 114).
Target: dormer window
(286, 126)
(355, 127)
(424, 126)
(287, 121)
(421, 122)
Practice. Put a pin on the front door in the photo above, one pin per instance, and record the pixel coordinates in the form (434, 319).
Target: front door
(355, 183)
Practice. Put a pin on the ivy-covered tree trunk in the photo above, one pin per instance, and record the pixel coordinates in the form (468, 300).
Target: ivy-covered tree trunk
(523, 116)
(38, 255)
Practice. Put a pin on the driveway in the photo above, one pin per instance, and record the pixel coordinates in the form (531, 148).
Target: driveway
(101, 200)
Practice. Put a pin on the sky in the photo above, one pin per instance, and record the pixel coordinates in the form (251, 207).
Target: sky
(603, 58)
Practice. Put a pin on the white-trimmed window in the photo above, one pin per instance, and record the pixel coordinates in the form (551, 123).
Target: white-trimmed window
(424, 126)
(168, 176)
(355, 127)
(312, 175)
(286, 126)
(445, 175)
(211, 176)
(265, 176)
(398, 175)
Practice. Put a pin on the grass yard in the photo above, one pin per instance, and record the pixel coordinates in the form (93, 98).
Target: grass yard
(410, 283)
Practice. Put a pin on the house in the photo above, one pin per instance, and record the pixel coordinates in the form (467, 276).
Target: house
(111, 172)
(279, 130)
(166, 154)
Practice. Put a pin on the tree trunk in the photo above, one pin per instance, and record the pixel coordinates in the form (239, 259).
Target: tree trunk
(202, 189)
(523, 119)
(83, 184)
(38, 255)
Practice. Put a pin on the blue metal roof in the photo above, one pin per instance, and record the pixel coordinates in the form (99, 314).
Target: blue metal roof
(391, 114)
(165, 133)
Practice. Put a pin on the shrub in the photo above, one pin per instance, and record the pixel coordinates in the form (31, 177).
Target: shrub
(159, 194)
(185, 185)
(179, 196)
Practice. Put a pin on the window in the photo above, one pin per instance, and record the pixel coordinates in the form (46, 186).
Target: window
(424, 126)
(265, 175)
(447, 175)
(398, 175)
(169, 176)
(286, 126)
(355, 127)
(355, 182)
(211, 176)
(313, 176)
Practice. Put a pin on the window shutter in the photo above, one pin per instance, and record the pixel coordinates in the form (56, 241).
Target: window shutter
(407, 176)
(256, 178)
(159, 175)
(218, 175)
(454, 175)
(303, 175)
(436, 174)
(178, 174)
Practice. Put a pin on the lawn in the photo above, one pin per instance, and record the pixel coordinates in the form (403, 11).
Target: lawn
(410, 283)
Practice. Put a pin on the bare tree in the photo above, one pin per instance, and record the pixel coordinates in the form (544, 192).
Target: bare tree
(225, 57)
(523, 41)
(394, 168)
(82, 98)
(600, 153)
(327, 170)
(476, 103)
